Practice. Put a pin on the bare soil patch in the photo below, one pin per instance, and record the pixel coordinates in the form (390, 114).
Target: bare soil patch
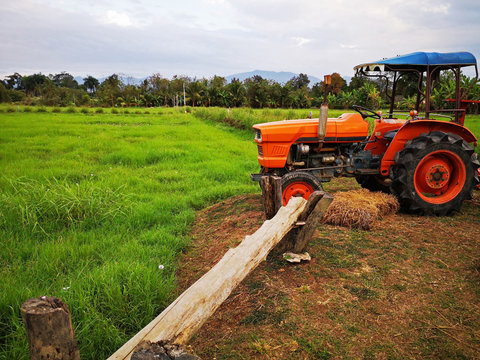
(408, 288)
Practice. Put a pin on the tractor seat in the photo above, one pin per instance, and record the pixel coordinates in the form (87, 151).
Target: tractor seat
(389, 135)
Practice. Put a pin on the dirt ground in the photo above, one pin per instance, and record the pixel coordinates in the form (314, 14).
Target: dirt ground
(407, 289)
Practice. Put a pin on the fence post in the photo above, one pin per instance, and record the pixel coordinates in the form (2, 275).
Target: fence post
(271, 195)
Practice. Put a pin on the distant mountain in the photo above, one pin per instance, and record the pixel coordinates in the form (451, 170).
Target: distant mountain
(281, 76)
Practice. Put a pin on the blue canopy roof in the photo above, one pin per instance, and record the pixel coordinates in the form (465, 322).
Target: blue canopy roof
(422, 59)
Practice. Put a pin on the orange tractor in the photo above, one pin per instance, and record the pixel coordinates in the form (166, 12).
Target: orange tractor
(428, 164)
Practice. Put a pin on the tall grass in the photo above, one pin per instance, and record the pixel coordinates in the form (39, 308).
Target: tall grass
(245, 118)
(92, 204)
(6, 108)
(53, 205)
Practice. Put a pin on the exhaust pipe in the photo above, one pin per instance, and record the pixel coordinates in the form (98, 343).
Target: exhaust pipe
(322, 121)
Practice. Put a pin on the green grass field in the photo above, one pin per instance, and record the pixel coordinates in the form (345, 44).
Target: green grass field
(92, 203)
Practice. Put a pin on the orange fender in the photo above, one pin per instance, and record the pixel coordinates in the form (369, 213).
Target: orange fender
(414, 129)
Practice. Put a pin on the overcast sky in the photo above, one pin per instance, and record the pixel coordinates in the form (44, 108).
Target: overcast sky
(206, 37)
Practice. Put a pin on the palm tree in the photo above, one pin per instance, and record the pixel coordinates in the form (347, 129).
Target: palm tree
(91, 84)
(196, 91)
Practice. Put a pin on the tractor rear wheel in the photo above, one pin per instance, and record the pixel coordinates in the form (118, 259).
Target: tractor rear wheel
(374, 183)
(434, 174)
(299, 184)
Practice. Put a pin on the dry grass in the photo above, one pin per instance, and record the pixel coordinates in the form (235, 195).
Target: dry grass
(359, 209)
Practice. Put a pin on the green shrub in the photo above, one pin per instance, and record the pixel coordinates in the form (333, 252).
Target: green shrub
(114, 111)
(126, 112)
(85, 99)
(84, 111)
(99, 111)
(10, 109)
(16, 95)
(56, 110)
(147, 112)
(138, 112)
(42, 109)
(71, 110)
(4, 97)
(27, 109)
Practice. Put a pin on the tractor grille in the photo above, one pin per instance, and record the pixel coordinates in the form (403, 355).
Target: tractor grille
(260, 150)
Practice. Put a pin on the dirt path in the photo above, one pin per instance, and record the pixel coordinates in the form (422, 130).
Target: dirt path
(409, 288)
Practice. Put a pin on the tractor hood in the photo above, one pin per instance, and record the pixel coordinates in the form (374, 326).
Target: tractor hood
(287, 130)
(346, 128)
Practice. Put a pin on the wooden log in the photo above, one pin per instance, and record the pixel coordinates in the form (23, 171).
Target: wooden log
(271, 195)
(49, 329)
(289, 241)
(305, 234)
(178, 322)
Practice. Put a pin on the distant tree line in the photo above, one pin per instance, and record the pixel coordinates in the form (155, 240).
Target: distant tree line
(63, 90)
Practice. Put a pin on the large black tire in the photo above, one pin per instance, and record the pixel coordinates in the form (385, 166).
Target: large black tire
(299, 184)
(434, 174)
(374, 183)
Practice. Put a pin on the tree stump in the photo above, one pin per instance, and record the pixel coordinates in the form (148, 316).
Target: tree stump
(49, 329)
(271, 195)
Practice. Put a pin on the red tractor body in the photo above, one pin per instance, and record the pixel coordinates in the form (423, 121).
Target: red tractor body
(279, 136)
(427, 163)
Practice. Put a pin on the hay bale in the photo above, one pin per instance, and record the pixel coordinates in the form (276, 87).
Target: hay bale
(359, 209)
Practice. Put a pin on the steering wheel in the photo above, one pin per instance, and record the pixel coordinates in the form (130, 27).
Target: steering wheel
(366, 112)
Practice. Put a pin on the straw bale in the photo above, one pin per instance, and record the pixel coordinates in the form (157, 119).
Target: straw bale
(360, 209)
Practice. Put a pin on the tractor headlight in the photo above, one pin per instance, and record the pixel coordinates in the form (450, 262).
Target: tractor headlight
(258, 135)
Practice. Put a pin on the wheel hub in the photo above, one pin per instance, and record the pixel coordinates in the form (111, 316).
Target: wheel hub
(437, 176)
(434, 174)
(440, 176)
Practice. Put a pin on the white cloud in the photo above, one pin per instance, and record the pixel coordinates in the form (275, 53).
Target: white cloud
(215, 2)
(348, 46)
(437, 8)
(301, 40)
(117, 18)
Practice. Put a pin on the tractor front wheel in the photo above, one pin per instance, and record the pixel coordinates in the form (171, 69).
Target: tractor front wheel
(299, 184)
(434, 174)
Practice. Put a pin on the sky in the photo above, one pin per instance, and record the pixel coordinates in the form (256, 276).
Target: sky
(203, 38)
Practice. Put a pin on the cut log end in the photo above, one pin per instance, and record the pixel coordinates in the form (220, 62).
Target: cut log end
(43, 305)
